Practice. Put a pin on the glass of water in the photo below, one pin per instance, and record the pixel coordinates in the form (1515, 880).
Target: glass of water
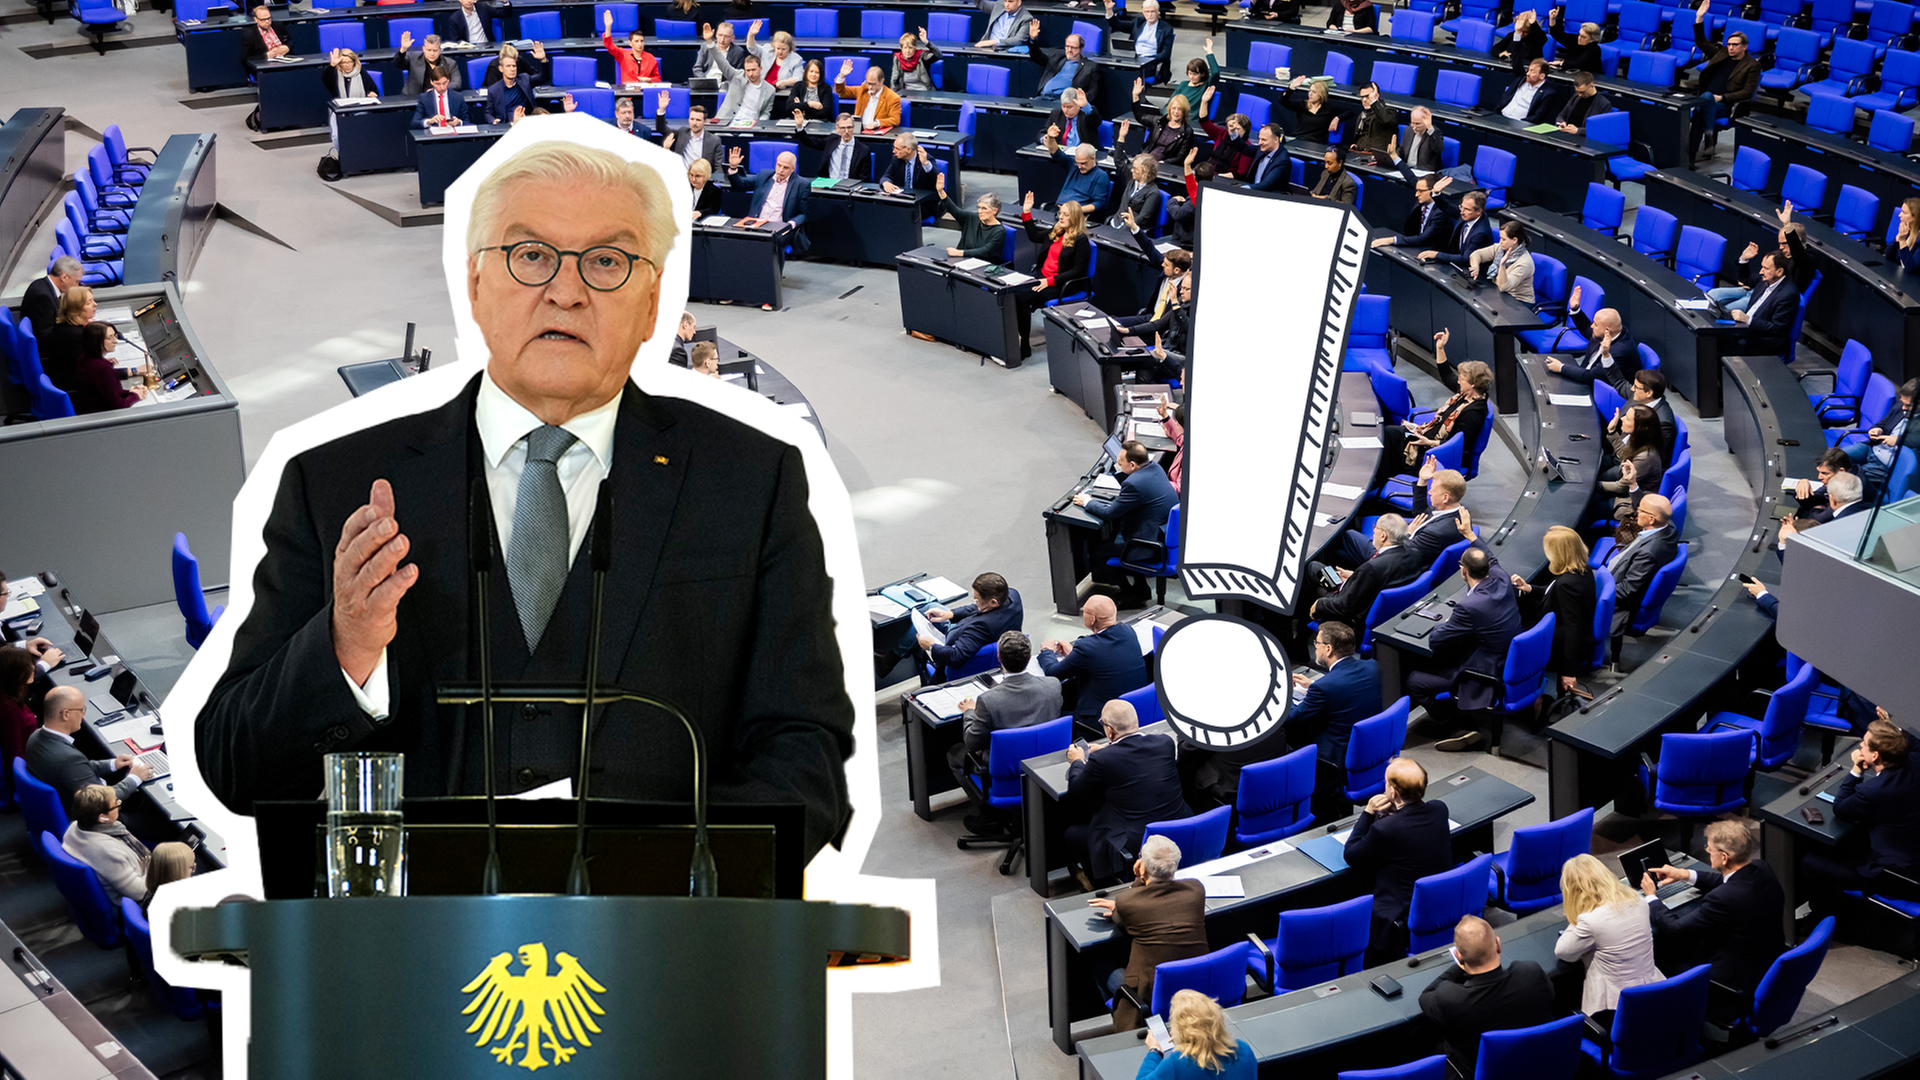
(366, 844)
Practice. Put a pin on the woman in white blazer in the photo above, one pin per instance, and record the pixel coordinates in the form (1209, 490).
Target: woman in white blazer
(1609, 928)
(97, 838)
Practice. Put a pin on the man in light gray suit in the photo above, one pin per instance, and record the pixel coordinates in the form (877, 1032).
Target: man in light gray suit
(1008, 25)
(1633, 566)
(1019, 700)
(748, 94)
(56, 762)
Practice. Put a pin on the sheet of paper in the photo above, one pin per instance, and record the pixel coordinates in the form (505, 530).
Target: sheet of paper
(1235, 861)
(1539, 128)
(735, 377)
(1696, 304)
(1152, 428)
(1347, 832)
(944, 590)
(1361, 442)
(922, 625)
(1342, 491)
(1324, 520)
(715, 219)
(1223, 887)
(1017, 278)
(883, 607)
(1571, 400)
(969, 264)
(1144, 631)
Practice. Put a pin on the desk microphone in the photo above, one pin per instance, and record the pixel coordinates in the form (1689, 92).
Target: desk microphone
(602, 548)
(480, 558)
(1821, 780)
(1711, 612)
(1589, 706)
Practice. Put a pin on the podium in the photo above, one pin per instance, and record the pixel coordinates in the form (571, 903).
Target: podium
(600, 986)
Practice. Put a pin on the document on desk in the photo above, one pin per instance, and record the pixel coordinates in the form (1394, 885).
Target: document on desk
(1699, 303)
(1144, 631)
(945, 590)
(1323, 520)
(971, 264)
(1223, 888)
(1540, 129)
(1361, 442)
(944, 702)
(883, 607)
(1342, 491)
(1014, 277)
(1235, 861)
(715, 219)
(1328, 851)
(1571, 400)
(1152, 428)
(922, 625)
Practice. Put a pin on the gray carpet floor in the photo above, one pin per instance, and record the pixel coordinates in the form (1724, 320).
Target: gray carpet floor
(949, 462)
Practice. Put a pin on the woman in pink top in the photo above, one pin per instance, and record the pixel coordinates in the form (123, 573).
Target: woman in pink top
(1174, 419)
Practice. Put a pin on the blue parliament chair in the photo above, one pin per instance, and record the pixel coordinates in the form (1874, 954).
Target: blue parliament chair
(1398, 490)
(595, 101)
(1800, 317)
(832, 65)
(1683, 44)
(41, 806)
(1785, 983)
(1679, 474)
(675, 29)
(1700, 775)
(1338, 67)
(883, 25)
(1311, 945)
(1750, 170)
(1776, 732)
(1396, 401)
(1615, 129)
(1394, 78)
(1842, 406)
(540, 25)
(1849, 67)
(1890, 25)
(816, 23)
(1650, 69)
(1264, 56)
(188, 595)
(1890, 131)
(1388, 603)
(571, 71)
(48, 401)
(186, 1002)
(1796, 57)
(1274, 797)
(96, 17)
(1257, 110)
(1371, 340)
(1526, 876)
(1146, 701)
(1656, 1028)
(99, 218)
(1410, 25)
(986, 659)
(93, 913)
(764, 154)
(1549, 1051)
(113, 193)
(1604, 591)
(1899, 83)
(96, 269)
(1427, 1068)
(1783, 12)
(1901, 483)
(347, 34)
(1658, 590)
(1375, 741)
(127, 169)
(1549, 287)
(1830, 113)
(1655, 234)
(1200, 838)
(419, 28)
(1518, 686)
(477, 69)
(1805, 188)
(1442, 900)
(1006, 749)
(991, 80)
(1699, 255)
(1220, 974)
(626, 18)
(92, 245)
(1474, 36)
(1834, 18)
(1639, 25)
(1079, 289)
(949, 28)
(1493, 170)
(1094, 35)
(333, 5)
(1604, 210)
(1458, 88)
(677, 102)
(1559, 335)
(1166, 564)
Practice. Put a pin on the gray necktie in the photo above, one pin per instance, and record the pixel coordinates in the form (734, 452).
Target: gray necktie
(537, 554)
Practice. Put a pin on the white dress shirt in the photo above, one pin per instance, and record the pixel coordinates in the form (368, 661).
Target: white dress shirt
(873, 107)
(1522, 102)
(690, 148)
(840, 159)
(476, 27)
(504, 424)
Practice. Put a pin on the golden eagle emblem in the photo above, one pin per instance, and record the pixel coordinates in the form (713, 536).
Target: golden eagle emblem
(535, 1012)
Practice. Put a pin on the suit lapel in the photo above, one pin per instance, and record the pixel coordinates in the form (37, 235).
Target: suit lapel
(650, 463)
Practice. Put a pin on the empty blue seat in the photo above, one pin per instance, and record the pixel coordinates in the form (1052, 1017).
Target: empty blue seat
(1796, 55)
(477, 70)
(816, 23)
(1639, 24)
(1200, 838)
(1410, 25)
(1655, 232)
(1433, 1067)
(1656, 1028)
(1855, 212)
(946, 27)
(1493, 170)
(1777, 731)
(887, 26)
(991, 80)
(1458, 88)
(95, 17)
(1264, 56)
(1006, 749)
(188, 595)
(1701, 775)
(1650, 68)
(1604, 209)
(1272, 801)
(675, 28)
(345, 34)
(1474, 36)
(1370, 337)
(1830, 113)
(1899, 83)
(1394, 78)
(1751, 169)
(1442, 900)
(1890, 23)
(1312, 946)
(1890, 131)
(626, 17)
(1526, 876)
(1805, 188)
(1549, 1051)
(1699, 255)
(1785, 983)
(1375, 741)
(571, 71)
(1339, 68)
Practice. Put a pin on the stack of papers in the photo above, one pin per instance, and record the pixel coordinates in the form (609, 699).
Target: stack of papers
(971, 264)
(1235, 861)
(1015, 277)
(885, 608)
(1342, 491)
(1360, 442)
(715, 219)
(944, 701)
(1144, 631)
(1699, 304)
(1570, 400)
(923, 625)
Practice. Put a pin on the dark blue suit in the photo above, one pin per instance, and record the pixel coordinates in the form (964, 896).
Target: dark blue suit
(1341, 698)
(1398, 848)
(1140, 510)
(1888, 803)
(793, 207)
(972, 630)
(1484, 622)
(1107, 664)
(1129, 784)
(1279, 172)
(1457, 245)
(498, 108)
(425, 107)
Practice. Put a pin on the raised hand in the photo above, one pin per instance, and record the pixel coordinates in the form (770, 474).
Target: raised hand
(519, 113)
(736, 158)
(1298, 80)
(566, 102)
(1553, 16)
(1749, 252)
(1208, 44)
(1026, 204)
(752, 29)
(540, 51)
(1205, 96)
(1785, 213)
(925, 161)
(1109, 9)
(1033, 29)
(1191, 154)
(667, 143)
(406, 37)
(1120, 134)
(1464, 519)
(660, 103)
(1139, 87)
(846, 70)
(1053, 132)
(940, 184)
(1573, 299)
(799, 117)
(606, 21)
(1428, 466)
(1440, 339)
(924, 38)
(368, 582)
(706, 31)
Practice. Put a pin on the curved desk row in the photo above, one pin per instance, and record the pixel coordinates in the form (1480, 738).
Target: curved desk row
(1593, 754)
(1892, 178)
(175, 213)
(1647, 295)
(46, 1031)
(1428, 297)
(1863, 294)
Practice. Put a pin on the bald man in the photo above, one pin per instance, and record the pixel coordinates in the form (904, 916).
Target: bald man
(1130, 780)
(1400, 838)
(55, 761)
(1477, 995)
(1103, 664)
(1633, 566)
(1610, 354)
(779, 196)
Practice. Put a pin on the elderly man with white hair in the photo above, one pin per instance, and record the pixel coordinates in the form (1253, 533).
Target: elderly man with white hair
(1129, 780)
(1086, 183)
(1166, 919)
(364, 604)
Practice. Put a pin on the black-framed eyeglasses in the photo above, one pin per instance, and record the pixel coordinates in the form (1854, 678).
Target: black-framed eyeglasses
(604, 269)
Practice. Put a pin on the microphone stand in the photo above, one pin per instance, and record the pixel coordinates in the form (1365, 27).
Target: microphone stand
(577, 881)
(480, 556)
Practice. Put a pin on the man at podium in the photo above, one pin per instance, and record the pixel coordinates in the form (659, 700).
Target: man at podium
(717, 597)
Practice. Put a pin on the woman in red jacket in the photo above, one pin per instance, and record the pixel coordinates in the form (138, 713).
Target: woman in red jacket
(1066, 263)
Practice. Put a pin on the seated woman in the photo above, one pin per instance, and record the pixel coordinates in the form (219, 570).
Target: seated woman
(1569, 598)
(913, 64)
(982, 236)
(171, 861)
(1464, 413)
(1906, 242)
(61, 349)
(17, 720)
(1608, 928)
(1636, 446)
(345, 77)
(1233, 147)
(1201, 1046)
(1169, 136)
(1353, 17)
(1511, 261)
(813, 94)
(1525, 44)
(1069, 255)
(706, 197)
(97, 386)
(97, 838)
(1315, 116)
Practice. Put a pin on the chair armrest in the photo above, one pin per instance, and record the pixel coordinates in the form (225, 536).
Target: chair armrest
(1266, 961)
(1127, 992)
(1725, 1001)
(1594, 1028)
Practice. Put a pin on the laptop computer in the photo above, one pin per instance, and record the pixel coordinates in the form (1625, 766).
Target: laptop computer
(1635, 862)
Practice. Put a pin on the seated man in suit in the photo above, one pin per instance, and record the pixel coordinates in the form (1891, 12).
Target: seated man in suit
(96, 837)
(874, 102)
(40, 307)
(1478, 994)
(1139, 512)
(1429, 220)
(1842, 496)
(720, 56)
(911, 171)
(1529, 98)
(420, 62)
(1586, 100)
(264, 39)
(1272, 169)
(1444, 524)
(1634, 565)
(1400, 837)
(1769, 315)
(747, 93)
(1108, 662)
(1140, 197)
(1020, 699)
(1424, 144)
(1473, 230)
(472, 23)
(1881, 795)
(1086, 183)
(1474, 638)
(1610, 354)
(1324, 715)
(1734, 925)
(54, 761)
(1152, 38)
(1066, 68)
(511, 97)
(1009, 25)
(691, 142)
(623, 116)
(1073, 121)
(994, 611)
(842, 156)
(1173, 266)
(441, 105)
(1876, 457)
(1130, 781)
(1790, 241)
(1390, 566)
(778, 195)
(1375, 124)
(531, 63)
(1166, 920)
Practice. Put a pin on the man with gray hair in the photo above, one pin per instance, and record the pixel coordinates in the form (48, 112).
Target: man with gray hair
(1020, 699)
(1073, 121)
(362, 600)
(1166, 919)
(41, 305)
(1391, 566)
(1129, 780)
(1087, 183)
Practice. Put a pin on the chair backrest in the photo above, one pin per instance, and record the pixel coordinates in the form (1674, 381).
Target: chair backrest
(186, 1002)
(1613, 128)
(675, 28)
(347, 34)
(595, 101)
(1649, 360)
(1201, 838)
(1258, 111)
(626, 18)
(1411, 25)
(97, 917)
(1899, 484)
(1338, 67)
(570, 71)
(1785, 982)
(1603, 590)
(1221, 975)
(765, 153)
(420, 28)
(540, 25)
(1458, 88)
(1452, 452)
(1549, 1051)
(1699, 254)
(1273, 797)
(1899, 71)
(477, 69)
(1537, 853)
(1879, 396)
(1678, 475)
(1549, 281)
(1654, 234)
(49, 401)
(39, 803)
(1372, 319)
(1008, 747)
(1527, 657)
(1658, 589)
(1317, 944)
(1473, 36)
(1637, 19)
(989, 79)
(1830, 112)
(677, 103)
(1805, 188)
(1146, 704)
(1433, 1067)
(816, 23)
(987, 659)
(1394, 78)
(1827, 15)
(1890, 131)
(1750, 170)
(1850, 59)
(1679, 500)
(1656, 1027)
(1604, 208)
(1779, 732)
(1888, 20)
(1396, 401)
(1375, 741)
(1650, 68)
(1441, 900)
(1264, 56)
(1794, 46)
(856, 76)
(1493, 169)
(946, 26)
(1702, 772)
(1094, 35)
(1390, 602)
(187, 593)
(882, 25)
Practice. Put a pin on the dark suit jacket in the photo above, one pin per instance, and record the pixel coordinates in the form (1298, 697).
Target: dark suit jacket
(793, 207)
(1428, 156)
(1734, 925)
(424, 107)
(971, 630)
(497, 109)
(715, 540)
(453, 24)
(1440, 532)
(1454, 249)
(330, 79)
(1400, 848)
(529, 67)
(1633, 570)
(1669, 427)
(1577, 57)
(60, 765)
(1086, 77)
(923, 177)
(415, 61)
(1468, 1006)
(1279, 174)
(1167, 920)
(1108, 664)
(1387, 569)
(1140, 511)
(1575, 109)
(1086, 120)
(1546, 102)
(254, 46)
(1128, 784)
(1161, 66)
(709, 141)
(1888, 804)
(1484, 622)
(1769, 322)
(708, 201)
(860, 164)
(1438, 224)
(40, 306)
(1590, 367)
(1742, 80)
(1335, 702)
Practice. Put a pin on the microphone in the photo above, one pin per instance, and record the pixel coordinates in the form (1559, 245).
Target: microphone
(480, 558)
(1589, 706)
(602, 555)
(1820, 781)
(1711, 612)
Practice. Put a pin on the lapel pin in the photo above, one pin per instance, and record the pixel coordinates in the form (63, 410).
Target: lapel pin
(659, 459)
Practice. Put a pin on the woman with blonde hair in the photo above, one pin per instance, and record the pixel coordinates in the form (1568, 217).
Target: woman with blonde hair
(1608, 927)
(1201, 1048)
(1570, 598)
(706, 197)
(1314, 116)
(60, 350)
(171, 861)
(1068, 258)
(1906, 242)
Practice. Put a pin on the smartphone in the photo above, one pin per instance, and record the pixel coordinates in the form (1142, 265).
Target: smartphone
(1744, 579)
(1082, 744)
(1158, 1029)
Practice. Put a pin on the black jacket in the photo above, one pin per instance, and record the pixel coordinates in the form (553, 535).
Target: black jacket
(1105, 665)
(1522, 50)
(971, 630)
(1769, 323)
(1075, 259)
(1086, 120)
(1592, 367)
(1427, 157)
(40, 306)
(1575, 56)
(859, 167)
(1575, 109)
(1734, 925)
(254, 46)
(1400, 848)
(60, 765)
(453, 24)
(1468, 1006)
(1427, 225)
(1387, 569)
(1546, 102)
(1888, 805)
(1127, 784)
(1570, 599)
(1086, 77)
(1313, 126)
